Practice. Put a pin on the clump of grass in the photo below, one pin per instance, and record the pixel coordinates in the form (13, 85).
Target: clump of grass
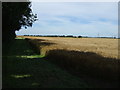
(87, 62)
(35, 45)
(39, 44)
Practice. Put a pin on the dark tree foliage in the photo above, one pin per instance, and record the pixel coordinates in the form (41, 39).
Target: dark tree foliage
(14, 16)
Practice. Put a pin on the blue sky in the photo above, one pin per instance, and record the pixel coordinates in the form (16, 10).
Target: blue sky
(74, 18)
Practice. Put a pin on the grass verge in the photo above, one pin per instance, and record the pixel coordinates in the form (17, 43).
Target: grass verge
(23, 68)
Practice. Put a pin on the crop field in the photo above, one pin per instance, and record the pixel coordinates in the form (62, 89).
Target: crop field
(101, 46)
(91, 56)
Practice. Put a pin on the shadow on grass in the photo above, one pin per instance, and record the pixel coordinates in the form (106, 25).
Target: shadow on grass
(23, 68)
(86, 64)
(37, 44)
(18, 61)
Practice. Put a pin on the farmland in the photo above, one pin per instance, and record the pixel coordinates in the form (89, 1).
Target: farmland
(60, 62)
(96, 57)
(104, 47)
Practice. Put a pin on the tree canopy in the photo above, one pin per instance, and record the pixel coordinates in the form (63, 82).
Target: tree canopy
(14, 16)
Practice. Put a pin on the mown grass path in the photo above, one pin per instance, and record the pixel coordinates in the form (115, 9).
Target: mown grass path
(22, 68)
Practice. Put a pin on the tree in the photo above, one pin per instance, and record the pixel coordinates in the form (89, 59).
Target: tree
(14, 16)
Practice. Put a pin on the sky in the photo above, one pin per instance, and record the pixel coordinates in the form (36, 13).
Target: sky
(91, 19)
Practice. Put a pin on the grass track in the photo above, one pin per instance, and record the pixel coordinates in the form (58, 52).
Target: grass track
(22, 68)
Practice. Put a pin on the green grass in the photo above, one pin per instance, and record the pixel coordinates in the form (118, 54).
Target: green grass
(23, 68)
(19, 38)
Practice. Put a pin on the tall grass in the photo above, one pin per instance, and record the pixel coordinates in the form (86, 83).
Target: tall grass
(86, 62)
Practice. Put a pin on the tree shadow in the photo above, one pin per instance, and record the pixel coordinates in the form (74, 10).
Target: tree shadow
(19, 62)
(37, 44)
(23, 68)
(86, 64)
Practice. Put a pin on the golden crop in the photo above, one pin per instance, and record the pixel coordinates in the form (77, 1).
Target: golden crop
(101, 46)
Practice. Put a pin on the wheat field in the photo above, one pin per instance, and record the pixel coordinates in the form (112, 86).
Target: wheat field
(102, 46)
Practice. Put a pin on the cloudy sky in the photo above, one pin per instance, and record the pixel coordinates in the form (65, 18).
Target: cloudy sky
(74, 18)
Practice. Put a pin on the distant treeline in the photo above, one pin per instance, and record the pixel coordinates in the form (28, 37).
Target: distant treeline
(66, 36)
(55, 36)
(107, 37)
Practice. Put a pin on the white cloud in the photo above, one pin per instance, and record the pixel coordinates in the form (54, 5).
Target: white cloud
(74, 0)
(71, 18)
(90, 11)
(104, 29)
